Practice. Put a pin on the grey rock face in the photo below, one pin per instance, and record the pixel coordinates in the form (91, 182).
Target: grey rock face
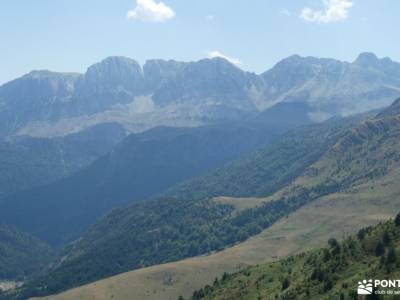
(221, 88)
(333, 86)
(112, 81)
(209, 78)
(39, 95)
(157, 71)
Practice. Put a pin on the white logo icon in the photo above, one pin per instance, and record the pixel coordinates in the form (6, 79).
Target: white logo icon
(365, 287)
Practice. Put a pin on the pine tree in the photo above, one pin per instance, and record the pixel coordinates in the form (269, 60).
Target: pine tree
(380, 249)
(333, 242)
(386, 238)
(391, 257)
(285, 283)
(216, 282)
(397, 220)
(328, 285)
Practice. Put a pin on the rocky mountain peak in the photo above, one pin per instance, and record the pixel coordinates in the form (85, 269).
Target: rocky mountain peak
(114, 70)
(156, 71)
(218, 62)
(46, 74)
(367, 59)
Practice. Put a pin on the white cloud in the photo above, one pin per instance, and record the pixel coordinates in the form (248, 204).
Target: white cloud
(151, 11)
(334, 11)
(216, 53)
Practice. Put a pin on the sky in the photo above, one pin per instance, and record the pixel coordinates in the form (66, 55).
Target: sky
(71, 35)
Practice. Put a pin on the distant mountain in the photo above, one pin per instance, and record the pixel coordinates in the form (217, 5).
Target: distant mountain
(171, 93)
(26, 162)
(157, 71)
(285, 115)
(223, 86)
(21, 255)
(39, 95)
(112, 81)
(334, 87)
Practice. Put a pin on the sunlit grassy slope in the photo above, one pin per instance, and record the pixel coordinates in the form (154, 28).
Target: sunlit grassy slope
(336, 215)
(332, 272)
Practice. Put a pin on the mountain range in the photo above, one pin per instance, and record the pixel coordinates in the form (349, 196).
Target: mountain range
(171, 93)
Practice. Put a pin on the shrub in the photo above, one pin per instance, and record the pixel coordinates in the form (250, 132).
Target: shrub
(285, 284)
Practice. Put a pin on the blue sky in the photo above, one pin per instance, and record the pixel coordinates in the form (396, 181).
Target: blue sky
(70, 35)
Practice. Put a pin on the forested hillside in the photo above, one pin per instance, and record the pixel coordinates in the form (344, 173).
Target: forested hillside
(329, 273)
(271, 167)
(26, 162)
(21, 254)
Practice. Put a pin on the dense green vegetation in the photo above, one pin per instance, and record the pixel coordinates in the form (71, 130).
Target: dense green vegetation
(328, 273)
(21, 254)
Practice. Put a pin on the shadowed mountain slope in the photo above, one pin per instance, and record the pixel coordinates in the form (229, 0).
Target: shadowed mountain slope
(141, 166)
(26, 162)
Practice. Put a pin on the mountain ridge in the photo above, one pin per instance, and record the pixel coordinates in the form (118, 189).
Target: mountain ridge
(207, 91)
